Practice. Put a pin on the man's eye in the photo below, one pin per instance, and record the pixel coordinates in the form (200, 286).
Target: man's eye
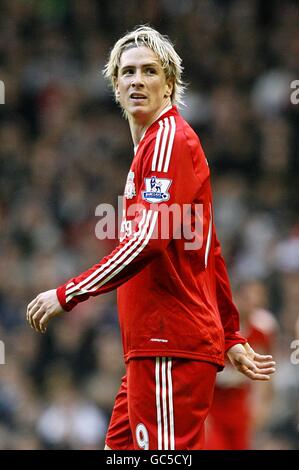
(128, 72)
(151, 71)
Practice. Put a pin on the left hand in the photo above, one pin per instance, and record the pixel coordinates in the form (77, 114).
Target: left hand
(248, 362)
(41, 309)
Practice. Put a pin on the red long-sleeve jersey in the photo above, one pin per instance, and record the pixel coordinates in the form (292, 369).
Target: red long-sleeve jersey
(174, 297)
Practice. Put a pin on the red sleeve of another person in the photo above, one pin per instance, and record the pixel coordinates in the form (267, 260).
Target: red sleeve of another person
(228, 311)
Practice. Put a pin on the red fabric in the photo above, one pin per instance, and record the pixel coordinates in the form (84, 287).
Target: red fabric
(228, 426)
(185, 387)
(171, 301)
(119, 435)
(229, 422)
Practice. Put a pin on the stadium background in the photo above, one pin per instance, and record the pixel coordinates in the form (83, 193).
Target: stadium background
(64, 148)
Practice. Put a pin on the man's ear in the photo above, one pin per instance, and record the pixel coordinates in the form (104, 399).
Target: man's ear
(169, 89)
(116, 91)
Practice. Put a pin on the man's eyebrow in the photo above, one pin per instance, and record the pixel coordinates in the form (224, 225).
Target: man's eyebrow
(150, 64)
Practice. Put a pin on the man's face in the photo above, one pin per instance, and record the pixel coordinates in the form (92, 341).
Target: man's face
(141, 86)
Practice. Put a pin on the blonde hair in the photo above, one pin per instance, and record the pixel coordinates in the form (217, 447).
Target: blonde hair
(161, 45)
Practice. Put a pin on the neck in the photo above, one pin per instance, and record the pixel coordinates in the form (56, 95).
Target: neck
(137, 131)
(138, 127)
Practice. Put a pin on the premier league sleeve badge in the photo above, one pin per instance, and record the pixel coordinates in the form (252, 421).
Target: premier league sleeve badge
(156, 189)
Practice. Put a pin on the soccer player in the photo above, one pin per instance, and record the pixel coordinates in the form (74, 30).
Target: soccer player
(176, 313)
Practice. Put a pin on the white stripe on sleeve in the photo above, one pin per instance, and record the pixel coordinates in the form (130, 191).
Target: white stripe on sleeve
(118, 261)
(163, 145)
(170, 143)
(71, 289)
(157, 145)
(158, 403)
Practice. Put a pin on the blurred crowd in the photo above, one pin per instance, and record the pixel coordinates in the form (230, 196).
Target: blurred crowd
(64, 149)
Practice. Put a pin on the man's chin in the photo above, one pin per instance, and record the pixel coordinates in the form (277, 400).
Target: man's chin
(139, 111)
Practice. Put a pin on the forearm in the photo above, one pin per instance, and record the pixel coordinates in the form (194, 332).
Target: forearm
(129, 258)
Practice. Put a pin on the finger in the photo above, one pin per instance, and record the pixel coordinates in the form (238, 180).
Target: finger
(257, 366)
(30, 305)
(268, 371)
(43, 322)
(262, 357)
(29, 308)
(37, 318)
(246, 363)
(253, 375)
(34, 308)
(262, 365)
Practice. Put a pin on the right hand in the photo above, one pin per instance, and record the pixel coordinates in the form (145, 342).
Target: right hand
(41, 309)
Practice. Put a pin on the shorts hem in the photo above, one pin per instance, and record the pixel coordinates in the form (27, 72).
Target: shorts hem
(112, 447)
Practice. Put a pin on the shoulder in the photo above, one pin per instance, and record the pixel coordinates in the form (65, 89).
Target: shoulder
(170, 139)
(160, 144)
(188, 143)
(173, 129)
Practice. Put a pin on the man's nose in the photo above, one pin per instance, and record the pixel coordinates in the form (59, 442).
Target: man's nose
(137, 79)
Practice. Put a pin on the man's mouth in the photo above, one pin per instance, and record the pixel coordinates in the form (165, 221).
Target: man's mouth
(137, 96)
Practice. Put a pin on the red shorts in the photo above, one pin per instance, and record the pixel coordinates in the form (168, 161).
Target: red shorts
(162, 405)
